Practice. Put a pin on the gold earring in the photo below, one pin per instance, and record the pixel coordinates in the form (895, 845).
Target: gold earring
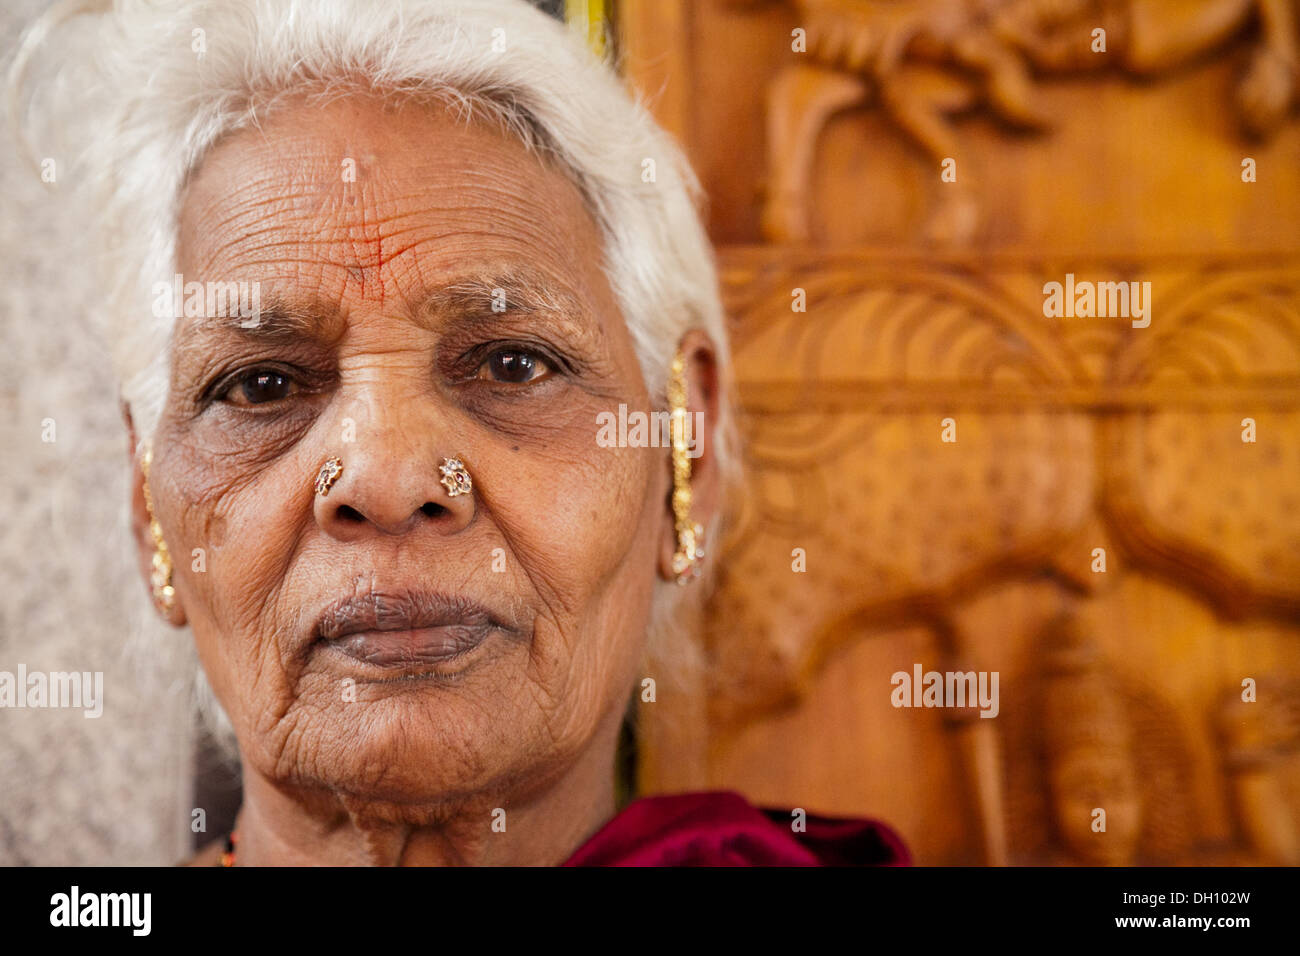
(455, 477)
(160, 578)
(690, 536)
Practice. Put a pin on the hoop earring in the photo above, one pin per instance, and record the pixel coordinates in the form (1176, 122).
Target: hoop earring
(690, 536)
(160, 578)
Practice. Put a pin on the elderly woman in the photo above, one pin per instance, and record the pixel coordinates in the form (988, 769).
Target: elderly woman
(379, 272)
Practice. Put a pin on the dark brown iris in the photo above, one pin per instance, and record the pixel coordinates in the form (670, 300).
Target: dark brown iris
(514, 367)
(264, 387)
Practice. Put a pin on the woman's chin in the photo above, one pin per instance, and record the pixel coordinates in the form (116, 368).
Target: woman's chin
(412, 743)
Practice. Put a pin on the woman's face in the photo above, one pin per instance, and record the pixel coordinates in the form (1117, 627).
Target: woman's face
(428, 289)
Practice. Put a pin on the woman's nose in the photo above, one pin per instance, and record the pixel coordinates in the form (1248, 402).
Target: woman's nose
(394, 488)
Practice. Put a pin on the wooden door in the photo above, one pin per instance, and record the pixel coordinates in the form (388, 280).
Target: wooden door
(1100, 504)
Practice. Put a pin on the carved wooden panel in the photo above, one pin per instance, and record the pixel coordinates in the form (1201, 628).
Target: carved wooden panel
(1069, 435)
(1103, 510)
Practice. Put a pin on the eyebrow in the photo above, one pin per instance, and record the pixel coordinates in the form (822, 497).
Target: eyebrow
(276, 318)
(514, 291)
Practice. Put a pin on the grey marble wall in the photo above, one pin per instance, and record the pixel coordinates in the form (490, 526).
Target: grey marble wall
(75, 790)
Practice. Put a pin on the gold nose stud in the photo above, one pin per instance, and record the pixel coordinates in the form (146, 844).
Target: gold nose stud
(329, 473)
(455, 478)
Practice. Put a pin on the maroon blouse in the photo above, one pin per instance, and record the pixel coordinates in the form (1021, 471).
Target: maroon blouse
(722, 828)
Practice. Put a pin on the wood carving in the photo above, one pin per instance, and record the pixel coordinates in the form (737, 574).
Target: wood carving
(1079, 440)
(1093, 781)
(1259, 738)
(1098, 767)
(924, 63)
(1071, 436)
(1063, 428)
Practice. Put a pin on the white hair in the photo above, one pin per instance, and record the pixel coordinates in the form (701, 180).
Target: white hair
(140, 92)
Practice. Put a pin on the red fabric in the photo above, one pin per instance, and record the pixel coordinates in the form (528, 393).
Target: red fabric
(723, 829)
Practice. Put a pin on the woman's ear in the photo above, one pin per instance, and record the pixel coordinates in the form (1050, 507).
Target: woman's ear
(144, 546)
(702, 401)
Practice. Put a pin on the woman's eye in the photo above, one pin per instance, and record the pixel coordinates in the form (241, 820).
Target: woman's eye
(259, 387)
(514, 366)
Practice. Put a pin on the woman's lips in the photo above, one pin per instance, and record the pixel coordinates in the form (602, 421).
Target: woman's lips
(404, 628)
(425, 645)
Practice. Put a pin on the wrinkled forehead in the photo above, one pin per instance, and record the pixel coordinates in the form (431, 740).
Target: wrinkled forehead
(369, 201)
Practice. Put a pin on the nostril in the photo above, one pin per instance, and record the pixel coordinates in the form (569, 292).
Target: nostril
(432, 510)
(348, 513)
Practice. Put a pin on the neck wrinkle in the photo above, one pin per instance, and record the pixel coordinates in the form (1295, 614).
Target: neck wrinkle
(285, 826)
